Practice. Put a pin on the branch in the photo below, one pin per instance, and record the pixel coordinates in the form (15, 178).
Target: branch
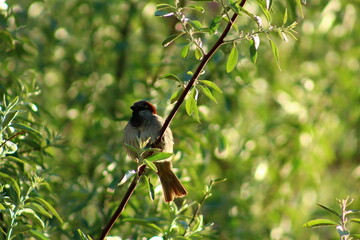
(123, 203)
(168, 120)
(196, 75)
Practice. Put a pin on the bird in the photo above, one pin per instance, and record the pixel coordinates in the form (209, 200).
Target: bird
(144, 128)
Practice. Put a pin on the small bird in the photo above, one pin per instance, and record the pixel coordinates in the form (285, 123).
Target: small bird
(144, 127)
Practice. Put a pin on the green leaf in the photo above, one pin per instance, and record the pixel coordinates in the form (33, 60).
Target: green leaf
(355, 220)
(185, 51)
(211, 85)
(198, 54)
(151, 189)
(171, 77)
(171, 39)
(21, 228)
(355, 235)
(207, 93)
(195, 7)
(39, 209)
(82, 235)
(275, 52)
(47, 206)
(190, 105)
(285, 17)
(329, 210)
(132, 148)
(319, 223)
(144, 223)
(150, 165)
(31, 214)
(12, 104)
(164, 6)
(15, 159)
(196, 24)
(38, 235)
(176, 95)
(26, 128)
(215, 23)
(12, 182)
(2, 207)
(265, 11)
(159, 156)
(232, 59)
(8, 118)
(253, 51)
(219, 180)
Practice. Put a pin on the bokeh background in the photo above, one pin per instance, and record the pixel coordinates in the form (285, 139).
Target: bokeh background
(285, 140)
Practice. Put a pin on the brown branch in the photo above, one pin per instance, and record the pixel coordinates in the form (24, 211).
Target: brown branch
(196, 75)
(123, 203)
(168, 120)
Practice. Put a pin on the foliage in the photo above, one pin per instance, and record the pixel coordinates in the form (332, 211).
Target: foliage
(342, 225)
(69, 70)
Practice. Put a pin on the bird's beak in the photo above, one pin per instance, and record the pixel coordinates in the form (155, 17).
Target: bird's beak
(132, 108)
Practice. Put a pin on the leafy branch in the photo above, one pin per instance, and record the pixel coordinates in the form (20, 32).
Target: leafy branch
(342, 219)
(168, 120)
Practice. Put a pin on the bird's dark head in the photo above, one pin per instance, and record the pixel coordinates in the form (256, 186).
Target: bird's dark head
(143, 105)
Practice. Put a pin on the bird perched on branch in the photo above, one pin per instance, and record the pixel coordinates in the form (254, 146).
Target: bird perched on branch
(144, 127)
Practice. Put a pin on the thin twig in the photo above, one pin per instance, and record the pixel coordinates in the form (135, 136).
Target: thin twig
(167, 122)
(10, 138)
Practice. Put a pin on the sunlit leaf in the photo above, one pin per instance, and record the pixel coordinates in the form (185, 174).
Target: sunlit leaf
(31, 214)
(275, 52)
(285, 17)
(196, 7)
(151, 165)
(207, 93)
(39, 209)
(159, 156)
(185, 51)
(211, 85)
(8, 118)
(190, 105)
(196, 24)
(319, 223)
(232, 59)
(355, 220)
(47, 206)
(198, 54)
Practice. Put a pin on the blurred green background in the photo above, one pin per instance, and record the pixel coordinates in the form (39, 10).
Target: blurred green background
(285, 140)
